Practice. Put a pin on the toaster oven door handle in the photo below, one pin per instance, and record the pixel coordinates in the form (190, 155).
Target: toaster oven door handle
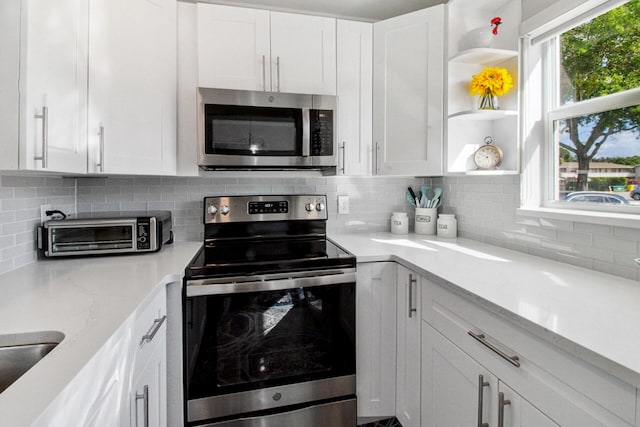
(205, 287)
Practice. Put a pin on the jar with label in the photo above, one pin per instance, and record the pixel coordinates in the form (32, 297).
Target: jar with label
(399, 223)
(447, 226)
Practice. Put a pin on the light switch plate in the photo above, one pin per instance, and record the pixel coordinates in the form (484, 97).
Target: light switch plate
(343, 205)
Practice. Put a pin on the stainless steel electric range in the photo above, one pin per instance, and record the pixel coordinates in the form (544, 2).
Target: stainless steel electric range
(269, 321)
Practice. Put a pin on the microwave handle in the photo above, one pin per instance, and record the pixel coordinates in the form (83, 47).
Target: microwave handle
(306, 132)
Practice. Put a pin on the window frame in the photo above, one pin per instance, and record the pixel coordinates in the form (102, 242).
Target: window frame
(543, 153)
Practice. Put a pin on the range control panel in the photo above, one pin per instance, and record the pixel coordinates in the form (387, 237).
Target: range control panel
(264, 208)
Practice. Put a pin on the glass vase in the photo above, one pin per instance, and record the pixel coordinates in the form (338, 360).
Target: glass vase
(488, 101)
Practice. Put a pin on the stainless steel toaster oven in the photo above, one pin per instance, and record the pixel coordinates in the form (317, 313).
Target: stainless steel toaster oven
(105, 233)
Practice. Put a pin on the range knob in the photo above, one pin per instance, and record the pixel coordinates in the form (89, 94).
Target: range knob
(309, 207)
(319, 206)
(212, 210)
(224, 209)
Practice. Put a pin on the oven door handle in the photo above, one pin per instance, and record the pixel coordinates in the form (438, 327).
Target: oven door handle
(196, 288)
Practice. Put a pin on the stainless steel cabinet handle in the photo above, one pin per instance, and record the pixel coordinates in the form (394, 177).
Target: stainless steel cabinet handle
(45, 136)
(278, 71)
(100, 164)
(514, 360)
(481, 385)
(148, 337)
(412, 309)
(376, 168)
(501, 404)
(344, 156)
(145, 397)
(264, 74)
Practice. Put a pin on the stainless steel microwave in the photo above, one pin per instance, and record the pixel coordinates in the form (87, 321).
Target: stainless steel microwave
(105, 233)
(265, 130)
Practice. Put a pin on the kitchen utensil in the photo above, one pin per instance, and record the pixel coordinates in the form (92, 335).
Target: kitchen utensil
(424, 199)
(437, 192)
(411, 200)
(415, 198)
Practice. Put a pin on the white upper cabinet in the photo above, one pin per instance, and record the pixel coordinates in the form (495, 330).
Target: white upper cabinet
(43, 86)
(408, 93)
(303, 54)
(355, 97)
(235, 51)
(249, 49)
(132, 86)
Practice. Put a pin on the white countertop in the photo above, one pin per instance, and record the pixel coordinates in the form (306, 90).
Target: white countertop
(87, 299)
(593, 315)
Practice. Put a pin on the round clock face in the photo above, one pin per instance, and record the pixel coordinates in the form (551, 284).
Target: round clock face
(487, 157)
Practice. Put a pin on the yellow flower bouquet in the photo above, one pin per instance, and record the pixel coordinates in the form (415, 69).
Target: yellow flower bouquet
(489, 84)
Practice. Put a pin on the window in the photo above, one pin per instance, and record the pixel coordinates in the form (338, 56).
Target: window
(591, 113)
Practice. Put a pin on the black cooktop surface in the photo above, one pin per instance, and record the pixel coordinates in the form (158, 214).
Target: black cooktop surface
(241, 257)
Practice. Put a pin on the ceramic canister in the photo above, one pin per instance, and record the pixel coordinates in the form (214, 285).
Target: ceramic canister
(399, 223)
(426, 220)
(447, 226)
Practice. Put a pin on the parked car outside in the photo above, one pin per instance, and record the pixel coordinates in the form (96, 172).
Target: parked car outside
(597, 197)
(635, 194)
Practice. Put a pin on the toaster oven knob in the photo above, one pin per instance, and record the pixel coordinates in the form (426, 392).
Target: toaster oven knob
(320, 207)
(309, 207)
(224, 209)
(212, 210)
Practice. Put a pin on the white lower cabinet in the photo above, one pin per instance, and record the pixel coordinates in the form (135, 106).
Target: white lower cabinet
(526, 381)
(124, 384)
(376, 339)
(148, 394)
(408, 351)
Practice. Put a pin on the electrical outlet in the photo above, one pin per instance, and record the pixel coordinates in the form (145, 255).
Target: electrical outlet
(43, 213)
(343, 205)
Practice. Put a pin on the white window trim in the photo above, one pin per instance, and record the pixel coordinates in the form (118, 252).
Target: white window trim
(538, 154)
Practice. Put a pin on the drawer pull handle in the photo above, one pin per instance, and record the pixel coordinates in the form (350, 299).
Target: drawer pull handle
(148, 337)
(481, 385)
(145, 400)
(514, 360)
(412, 281)
(501, 404)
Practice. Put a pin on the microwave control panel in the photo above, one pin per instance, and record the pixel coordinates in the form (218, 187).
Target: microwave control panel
(321, 123)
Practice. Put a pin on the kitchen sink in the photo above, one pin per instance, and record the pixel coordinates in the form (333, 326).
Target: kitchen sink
(20, 352)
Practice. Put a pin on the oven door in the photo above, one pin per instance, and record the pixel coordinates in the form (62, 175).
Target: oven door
(262, 344)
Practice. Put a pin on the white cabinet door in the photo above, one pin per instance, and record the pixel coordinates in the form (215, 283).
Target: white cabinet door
(376, 339)
(303, 54)
(132, 86)
(517, 412)
(456, 390)
(408, 93)
(354, 89)
(148, 398)
(233, 48)
(54, 61)
(408, 351)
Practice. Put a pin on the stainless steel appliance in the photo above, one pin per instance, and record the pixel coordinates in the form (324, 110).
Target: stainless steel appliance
(269, 317)
(264, 130)
(105, 233)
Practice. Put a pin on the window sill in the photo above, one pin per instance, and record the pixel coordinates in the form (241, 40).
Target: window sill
(590, 217)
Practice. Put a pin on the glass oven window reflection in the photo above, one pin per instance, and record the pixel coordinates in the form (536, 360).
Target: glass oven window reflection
(253, 131)
(79, 238)
(265, 339)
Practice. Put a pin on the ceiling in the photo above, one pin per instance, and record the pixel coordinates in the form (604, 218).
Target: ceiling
(364, 10)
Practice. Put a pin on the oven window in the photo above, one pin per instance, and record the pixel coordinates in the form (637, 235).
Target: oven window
(86, 238)
(264, 339)
(253, 131)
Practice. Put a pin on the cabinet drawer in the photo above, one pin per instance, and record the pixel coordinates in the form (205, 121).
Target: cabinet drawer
(569, 390)
(149, 327)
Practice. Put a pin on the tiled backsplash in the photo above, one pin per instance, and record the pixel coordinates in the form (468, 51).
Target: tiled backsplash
(21, 198)
(486, 211)
(485, 208)
(371, 199)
